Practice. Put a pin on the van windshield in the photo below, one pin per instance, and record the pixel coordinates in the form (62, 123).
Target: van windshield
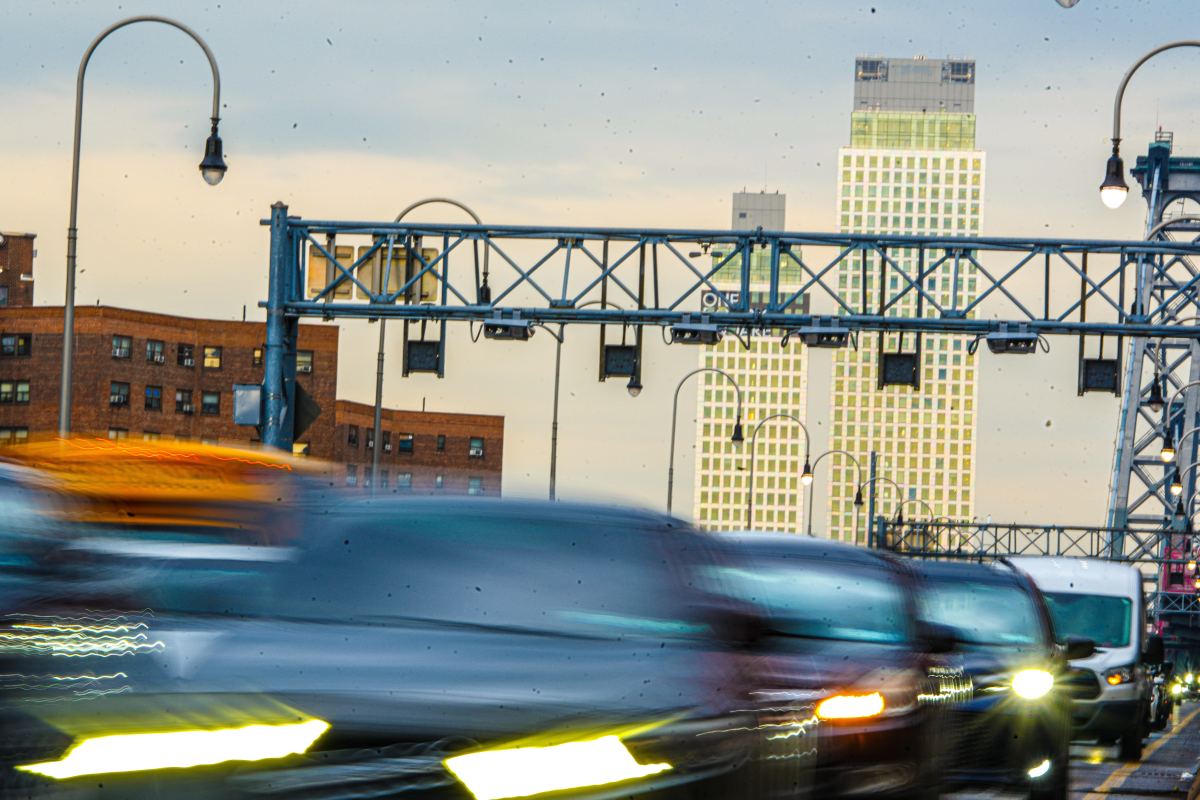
(1102, 618)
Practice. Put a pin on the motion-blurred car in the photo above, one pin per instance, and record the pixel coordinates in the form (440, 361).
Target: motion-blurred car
(1104, 602)
(842, 668)
(1014, 730)
(505, 649)
(1163, 696)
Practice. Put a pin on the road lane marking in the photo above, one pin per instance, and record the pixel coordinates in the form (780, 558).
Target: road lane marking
(1122, 773)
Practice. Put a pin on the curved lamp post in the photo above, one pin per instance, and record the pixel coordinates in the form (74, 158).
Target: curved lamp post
(212, 169)
(1114, 189)
(634, 387)
(806, 476)
(897, 488)
(737, 425)
(900, 511)
(383, 328)
(858, 496)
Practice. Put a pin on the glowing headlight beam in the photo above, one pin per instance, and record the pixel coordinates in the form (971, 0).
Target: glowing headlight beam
(1032, 683)
(137, 752)
(851, 706)
(524, 771)
(1039, 770)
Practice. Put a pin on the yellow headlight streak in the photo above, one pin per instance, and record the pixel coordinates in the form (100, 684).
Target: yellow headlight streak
(137, 752)
(525, 771)
(851, 706)
(1032, 683)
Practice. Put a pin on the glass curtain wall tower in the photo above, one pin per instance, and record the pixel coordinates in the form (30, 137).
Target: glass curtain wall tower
(912, 167)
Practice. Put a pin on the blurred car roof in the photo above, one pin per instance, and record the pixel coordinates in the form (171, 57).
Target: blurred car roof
(790, 545)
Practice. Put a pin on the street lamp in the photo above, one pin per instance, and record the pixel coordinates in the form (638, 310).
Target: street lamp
(383, 327)
(858, 495)
(212, 169)
(900, 511)
(736, 438)
(1114, 189)
(806, 476)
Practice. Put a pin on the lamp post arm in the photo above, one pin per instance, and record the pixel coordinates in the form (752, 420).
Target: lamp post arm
(816, 461)
(1116, 135)
(753, 438)
(675, 419)
(68, 348)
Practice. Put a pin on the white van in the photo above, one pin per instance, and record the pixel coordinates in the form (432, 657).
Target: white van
(1102, 601)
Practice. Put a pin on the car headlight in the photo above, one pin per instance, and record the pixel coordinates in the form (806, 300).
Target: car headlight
(1176, 689)
(1032, 683)
(523, 771)
(137, 752)
(1190, 678)
(1115, 677)
(851, 706)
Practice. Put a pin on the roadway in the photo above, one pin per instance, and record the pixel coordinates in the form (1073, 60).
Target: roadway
(1165, 770)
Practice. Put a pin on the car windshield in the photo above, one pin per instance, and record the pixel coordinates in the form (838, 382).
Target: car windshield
(1102, 618)
(982, 613)
(819, 601)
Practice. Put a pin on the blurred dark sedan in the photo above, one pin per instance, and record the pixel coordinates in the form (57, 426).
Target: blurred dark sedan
(1014, 730)
(448, 647)
(842, 670)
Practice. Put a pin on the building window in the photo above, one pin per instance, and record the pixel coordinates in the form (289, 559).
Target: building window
(212, 357)
(383, 479)
(15, 344)
(387, 441)
(7, 392)
(3, 295)
(118, 394)
(404, 480)
(22, 392)
(210, 403)
(475, 450)
(183, 402)
(122, 346)
(474, 486)
(151, 436)
(304, 361)
(156, 351)
(351, 475)
(154, 398)
(441, 442)
(439, 482)
(257, 359)
(185, 355)
(352, 435)
(405, 442)
(14, 435)
(117, 434)
(366, 481)
(370, 438)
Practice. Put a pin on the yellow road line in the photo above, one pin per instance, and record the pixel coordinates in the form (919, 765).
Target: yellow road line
(1119, 775)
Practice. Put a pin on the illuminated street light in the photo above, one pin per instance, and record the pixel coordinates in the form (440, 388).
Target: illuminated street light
(1114, 189)
(1167, 454)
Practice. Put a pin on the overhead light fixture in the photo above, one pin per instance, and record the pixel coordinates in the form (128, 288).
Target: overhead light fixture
(634, 387)
(830, 334)
(509, 329)
(1176, 485)
(1114, 189)
(1167, 453)
(1019, 341)
(1155, 399)
(858, 498)
(213, 167)
(806, 477)
(695, 333)
(737, 437)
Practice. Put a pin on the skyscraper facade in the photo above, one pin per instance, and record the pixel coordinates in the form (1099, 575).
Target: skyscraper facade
(773, 379)
(911, 167)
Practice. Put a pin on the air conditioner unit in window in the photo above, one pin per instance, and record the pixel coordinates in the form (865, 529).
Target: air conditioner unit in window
(185, 408)
(305, 368)
(387, 448)
(118, 400)
(159, 358)
(189, 362)
(476, 452)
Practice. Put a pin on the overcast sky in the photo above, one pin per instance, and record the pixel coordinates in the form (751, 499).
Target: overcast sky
(638, 114)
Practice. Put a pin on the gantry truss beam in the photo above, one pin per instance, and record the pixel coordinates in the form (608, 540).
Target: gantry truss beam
(664, 277)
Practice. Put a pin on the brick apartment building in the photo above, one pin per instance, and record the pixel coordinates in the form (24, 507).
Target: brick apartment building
(424, 452)
(143, 375)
